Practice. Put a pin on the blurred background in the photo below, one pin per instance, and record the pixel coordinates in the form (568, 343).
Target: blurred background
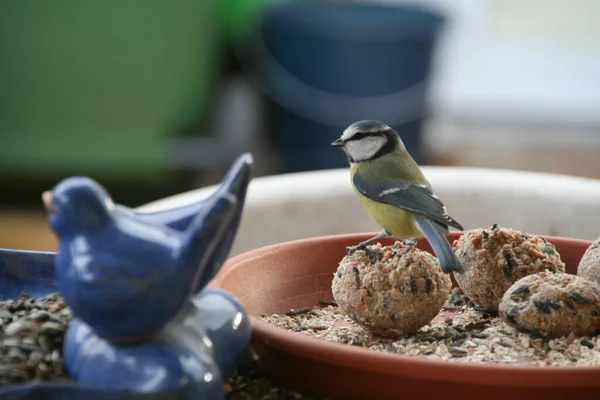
(154, 97)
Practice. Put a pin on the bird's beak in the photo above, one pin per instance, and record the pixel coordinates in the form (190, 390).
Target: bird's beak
(338, 143)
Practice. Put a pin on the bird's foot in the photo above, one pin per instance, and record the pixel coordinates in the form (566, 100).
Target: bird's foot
(410, 242)
(372, 255)
(352, 249)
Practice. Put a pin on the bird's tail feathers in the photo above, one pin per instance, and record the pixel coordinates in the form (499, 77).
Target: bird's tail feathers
(434, 233)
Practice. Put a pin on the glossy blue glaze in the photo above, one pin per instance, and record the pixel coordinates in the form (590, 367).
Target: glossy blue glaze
(220, 316)
(150, 367)
(202, 345)
(110, 262)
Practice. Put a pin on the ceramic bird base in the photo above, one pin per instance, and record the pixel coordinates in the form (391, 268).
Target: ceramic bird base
(144, 323)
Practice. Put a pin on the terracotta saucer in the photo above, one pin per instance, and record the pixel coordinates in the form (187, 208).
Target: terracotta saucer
(297, 274)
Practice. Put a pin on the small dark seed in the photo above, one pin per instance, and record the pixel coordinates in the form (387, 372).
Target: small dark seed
(532, 331)
(299, 328)
(428, 285)
(460, 328)
(393, 317)
(328, 303)
(587, 343)
(413, 285)
(455, 298)
(579, 298)
(298, 311)
(546, 306)
(355, 270)
(457, 351)
(548, 249)
(523, 289)
(569, 304)
(477, 325)
(485, 234)
(510, 264)
(495, 226)
(339, 272)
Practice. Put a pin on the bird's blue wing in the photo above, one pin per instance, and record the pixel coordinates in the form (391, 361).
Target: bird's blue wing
(406, 195)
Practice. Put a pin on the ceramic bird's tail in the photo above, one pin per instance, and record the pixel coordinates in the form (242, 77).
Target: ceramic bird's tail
(179, 218)
(236, 184)
(204, 236)
(211, 234)
(434, 233)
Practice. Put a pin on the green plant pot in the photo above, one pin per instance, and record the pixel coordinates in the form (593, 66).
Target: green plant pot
(96, 86)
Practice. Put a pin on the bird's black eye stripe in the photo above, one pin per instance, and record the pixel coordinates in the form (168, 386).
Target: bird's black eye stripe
(358, 136)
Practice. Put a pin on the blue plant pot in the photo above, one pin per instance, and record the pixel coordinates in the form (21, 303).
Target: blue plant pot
(326, 65)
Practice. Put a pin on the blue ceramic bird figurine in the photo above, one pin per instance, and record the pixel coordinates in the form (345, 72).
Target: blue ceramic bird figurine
(127, 277)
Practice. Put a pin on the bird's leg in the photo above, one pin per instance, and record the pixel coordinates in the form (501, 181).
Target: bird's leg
(410, 242)
(363, 245)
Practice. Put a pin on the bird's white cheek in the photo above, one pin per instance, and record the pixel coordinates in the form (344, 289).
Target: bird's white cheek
(364, 149)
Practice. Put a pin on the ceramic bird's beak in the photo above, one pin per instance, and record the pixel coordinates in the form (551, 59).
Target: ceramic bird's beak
(338, 143)
(47, 199)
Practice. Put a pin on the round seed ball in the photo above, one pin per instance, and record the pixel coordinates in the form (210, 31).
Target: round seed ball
(589, 266)
(394, 295)
(553, 305)
(496, 257)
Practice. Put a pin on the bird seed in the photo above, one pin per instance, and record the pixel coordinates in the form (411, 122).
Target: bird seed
(459, 333)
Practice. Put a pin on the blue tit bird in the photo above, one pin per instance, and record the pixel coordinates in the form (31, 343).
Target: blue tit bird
(125, 276)
(394, 192)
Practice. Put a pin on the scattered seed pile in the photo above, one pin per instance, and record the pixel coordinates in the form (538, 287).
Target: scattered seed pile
(31, 335)
(459, 333)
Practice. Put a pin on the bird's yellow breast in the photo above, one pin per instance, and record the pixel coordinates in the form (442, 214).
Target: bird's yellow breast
(398, 222)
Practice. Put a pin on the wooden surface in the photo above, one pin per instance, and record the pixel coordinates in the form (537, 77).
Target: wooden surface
(23, 229)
